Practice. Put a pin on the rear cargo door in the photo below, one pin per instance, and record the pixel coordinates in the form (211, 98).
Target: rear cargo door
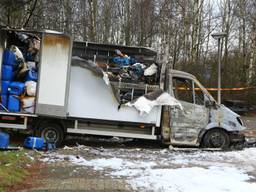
(52, 95)
(2, 47)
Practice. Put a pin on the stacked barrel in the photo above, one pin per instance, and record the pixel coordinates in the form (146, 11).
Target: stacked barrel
(12, 92)
(9, 62)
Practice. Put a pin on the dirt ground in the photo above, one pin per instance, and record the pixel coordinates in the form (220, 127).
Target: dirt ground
(98, 164)
(62, 175)
(85, 168)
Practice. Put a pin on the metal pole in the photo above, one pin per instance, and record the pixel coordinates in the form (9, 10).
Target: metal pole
(219, 36)
(219, 72)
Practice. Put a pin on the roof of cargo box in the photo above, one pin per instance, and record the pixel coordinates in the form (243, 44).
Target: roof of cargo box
(33, 31)
(111, 47)
(85, 49)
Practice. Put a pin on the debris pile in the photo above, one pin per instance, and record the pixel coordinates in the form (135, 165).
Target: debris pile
(19, 72)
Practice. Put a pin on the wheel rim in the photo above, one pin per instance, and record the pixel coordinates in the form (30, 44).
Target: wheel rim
(217, 139)
(50, 135)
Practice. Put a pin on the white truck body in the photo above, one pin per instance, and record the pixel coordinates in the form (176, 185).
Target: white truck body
(91, 98)
(70, 99)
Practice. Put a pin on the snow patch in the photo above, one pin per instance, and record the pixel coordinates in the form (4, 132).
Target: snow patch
(163, 170)
(194, 179)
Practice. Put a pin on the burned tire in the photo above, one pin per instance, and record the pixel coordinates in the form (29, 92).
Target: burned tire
(51, 132)
(216, 138)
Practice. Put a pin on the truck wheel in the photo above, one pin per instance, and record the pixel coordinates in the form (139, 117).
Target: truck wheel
(51, 132)
(216, 138)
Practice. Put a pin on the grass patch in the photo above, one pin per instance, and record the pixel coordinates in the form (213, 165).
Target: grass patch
(12, 168)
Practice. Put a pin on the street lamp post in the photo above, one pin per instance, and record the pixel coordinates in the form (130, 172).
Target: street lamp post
(219, 36)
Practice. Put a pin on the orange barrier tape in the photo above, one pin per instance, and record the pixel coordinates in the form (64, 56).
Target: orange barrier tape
(231, 89)
(222, 89)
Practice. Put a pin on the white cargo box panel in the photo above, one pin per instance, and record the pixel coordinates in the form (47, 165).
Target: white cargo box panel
(52, 97)
(91, 98)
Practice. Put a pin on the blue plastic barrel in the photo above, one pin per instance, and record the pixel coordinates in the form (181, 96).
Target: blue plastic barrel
(9, 58)
(16, 88)
(4, 87)
(34, 143)
(14, 103)
(7, 73)
(4, 140)
(121, 61)
(4, 102)
(31, 75)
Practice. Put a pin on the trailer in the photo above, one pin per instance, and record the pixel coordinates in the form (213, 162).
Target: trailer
(72, 100)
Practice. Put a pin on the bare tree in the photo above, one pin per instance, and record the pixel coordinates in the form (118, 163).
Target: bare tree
(93, 17)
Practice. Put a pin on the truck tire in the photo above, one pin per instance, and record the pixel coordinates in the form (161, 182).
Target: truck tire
(216, 138)
(52, 132)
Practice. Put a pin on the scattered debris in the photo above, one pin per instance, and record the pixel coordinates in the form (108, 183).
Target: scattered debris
(18, 53)
(151, 70)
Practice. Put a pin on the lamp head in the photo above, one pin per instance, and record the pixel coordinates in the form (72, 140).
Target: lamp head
(219, 35)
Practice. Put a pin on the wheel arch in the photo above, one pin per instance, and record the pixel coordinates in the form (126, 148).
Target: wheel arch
(42, 121)
(205, 131)
(220, 125)
(51, 129)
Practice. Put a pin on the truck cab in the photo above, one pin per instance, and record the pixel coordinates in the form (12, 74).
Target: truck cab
(202, 121)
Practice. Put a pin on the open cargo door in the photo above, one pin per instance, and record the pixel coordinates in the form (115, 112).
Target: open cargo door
(52, 95)
(2, 47)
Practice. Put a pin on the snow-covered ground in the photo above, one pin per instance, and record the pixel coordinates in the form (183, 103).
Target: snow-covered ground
(165, 170)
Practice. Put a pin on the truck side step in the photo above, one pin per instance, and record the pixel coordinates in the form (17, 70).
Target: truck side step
(112, 130)
(112, 133)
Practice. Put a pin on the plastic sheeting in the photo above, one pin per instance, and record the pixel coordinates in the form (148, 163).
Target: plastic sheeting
(28, 104)
(30, 88)
(145, 103)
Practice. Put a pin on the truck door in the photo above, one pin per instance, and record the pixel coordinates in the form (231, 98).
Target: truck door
(186, 124)
(54, 69)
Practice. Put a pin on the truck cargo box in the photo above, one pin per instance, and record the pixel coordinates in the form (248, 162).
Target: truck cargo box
(91, 98)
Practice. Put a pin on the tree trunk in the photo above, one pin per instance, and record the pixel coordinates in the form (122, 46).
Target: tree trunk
(93, 14)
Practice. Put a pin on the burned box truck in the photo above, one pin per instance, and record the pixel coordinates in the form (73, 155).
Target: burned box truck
(52, 87)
